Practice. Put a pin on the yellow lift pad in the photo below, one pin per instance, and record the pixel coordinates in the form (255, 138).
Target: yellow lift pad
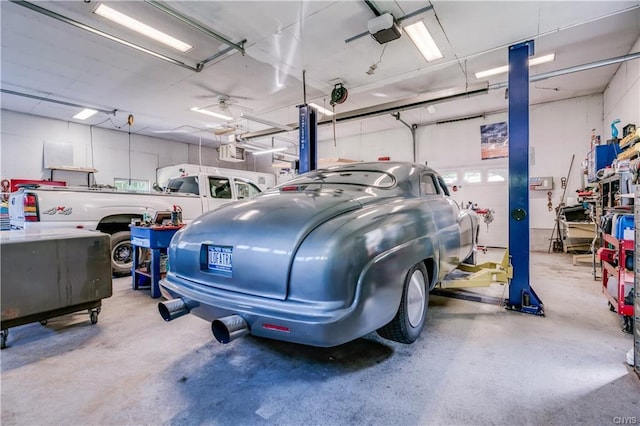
(481, 275)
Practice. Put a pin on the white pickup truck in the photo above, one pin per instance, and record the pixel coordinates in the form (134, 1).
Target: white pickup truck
(111, 211)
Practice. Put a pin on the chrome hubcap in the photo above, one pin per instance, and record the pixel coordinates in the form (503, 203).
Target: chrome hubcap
(416, 298)
(122, 253)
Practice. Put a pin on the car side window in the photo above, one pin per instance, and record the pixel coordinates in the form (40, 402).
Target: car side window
(443, 186)
(246, 189)
(428, 185)
(184, 185)
(220, 187)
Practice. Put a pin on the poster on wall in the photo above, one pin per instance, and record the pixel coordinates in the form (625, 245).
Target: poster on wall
(494, 141)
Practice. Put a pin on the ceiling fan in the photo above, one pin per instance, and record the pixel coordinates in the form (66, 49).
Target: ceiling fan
(225, 102)
(225, 107)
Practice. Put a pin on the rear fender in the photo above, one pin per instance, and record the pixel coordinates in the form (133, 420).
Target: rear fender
(331, 261)
(381, 282)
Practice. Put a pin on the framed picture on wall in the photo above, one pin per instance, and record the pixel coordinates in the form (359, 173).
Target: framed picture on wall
(494, 141)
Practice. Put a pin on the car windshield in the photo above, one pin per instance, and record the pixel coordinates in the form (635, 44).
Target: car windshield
(372, 178)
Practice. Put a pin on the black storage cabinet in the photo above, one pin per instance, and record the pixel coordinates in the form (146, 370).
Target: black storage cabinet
(45, 274)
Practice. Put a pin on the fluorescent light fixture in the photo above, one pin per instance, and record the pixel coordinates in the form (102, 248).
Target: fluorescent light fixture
(251, 147)
(424, 42)
(139, 27)
(267, 151)
(211, 113)
(85, 113)
(542, 59)
(266, 122)
(493, 71)
(263, 148)
(501, 70)
(321, 110)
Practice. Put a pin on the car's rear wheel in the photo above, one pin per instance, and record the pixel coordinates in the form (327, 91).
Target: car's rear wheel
(408, 323)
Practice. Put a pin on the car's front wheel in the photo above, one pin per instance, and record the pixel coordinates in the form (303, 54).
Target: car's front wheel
(406, 326)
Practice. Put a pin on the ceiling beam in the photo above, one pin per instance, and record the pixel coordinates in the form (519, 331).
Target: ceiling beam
(56, 101)
(388, 107)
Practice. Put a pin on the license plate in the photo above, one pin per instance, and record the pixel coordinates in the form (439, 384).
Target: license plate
(220, 260)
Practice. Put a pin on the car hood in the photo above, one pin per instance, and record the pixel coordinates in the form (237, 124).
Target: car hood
(263, 234)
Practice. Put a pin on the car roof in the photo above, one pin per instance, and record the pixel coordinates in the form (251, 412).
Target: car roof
(399, 169)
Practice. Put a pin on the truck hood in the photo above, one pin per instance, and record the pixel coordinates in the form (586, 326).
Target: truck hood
(263, 234)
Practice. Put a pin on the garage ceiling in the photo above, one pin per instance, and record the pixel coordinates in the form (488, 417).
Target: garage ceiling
(46, 58)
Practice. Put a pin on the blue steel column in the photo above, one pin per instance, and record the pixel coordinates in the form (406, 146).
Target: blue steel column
(521, 295)
(308, 139)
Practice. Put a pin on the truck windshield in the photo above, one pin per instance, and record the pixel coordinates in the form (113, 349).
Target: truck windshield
(184, 185)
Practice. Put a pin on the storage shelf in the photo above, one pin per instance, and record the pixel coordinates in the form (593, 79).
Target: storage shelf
(74, 169)
(88, 170)
(624, 277)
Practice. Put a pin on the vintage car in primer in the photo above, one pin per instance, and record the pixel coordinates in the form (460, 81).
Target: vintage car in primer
(323, 259)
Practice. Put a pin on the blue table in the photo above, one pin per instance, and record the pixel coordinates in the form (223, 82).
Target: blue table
(156, 239)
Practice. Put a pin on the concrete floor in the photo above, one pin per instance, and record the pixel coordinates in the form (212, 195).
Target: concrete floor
(474, 364)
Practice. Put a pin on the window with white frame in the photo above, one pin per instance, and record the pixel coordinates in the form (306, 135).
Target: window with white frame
(138, 185)
(497, 175)
(450, 178)
(472, 176)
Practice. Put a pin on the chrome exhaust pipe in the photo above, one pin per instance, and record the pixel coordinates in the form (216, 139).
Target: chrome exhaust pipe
(229, 328)
(172, 309)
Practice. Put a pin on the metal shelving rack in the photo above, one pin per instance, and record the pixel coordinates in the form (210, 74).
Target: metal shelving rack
(636, 291)
(618, 250)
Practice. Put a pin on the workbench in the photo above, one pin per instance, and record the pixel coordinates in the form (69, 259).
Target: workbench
(577, 236)
(156, 239)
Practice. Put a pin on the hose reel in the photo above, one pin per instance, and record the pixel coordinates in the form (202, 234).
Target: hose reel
(339, 94)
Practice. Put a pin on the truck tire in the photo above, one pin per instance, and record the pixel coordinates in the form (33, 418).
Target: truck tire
(121, 253)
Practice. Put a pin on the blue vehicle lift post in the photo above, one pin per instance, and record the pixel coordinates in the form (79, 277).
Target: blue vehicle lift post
(522, 298)
(308, 121)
